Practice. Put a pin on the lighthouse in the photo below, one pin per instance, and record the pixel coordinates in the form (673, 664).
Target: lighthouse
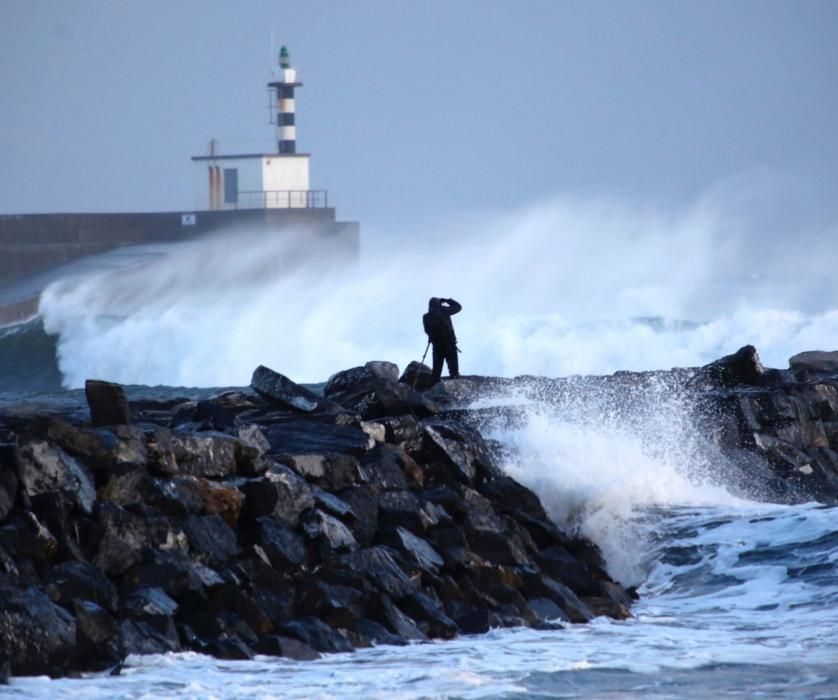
(278, 180)
(284, 83)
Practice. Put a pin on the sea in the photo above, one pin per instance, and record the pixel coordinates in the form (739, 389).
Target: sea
(738, 593)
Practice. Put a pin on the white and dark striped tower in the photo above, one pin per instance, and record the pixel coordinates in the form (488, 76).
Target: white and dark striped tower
(284, 82)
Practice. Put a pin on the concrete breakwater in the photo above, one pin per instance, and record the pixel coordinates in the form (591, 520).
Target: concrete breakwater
(275, 521)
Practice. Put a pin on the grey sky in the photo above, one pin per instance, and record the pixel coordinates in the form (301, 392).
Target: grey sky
(417, 109)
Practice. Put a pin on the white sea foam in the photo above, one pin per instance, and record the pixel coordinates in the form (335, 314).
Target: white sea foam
(563, 287)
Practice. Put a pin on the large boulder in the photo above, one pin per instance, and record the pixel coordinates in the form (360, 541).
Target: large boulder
(281, 493)
(373, 391)
(278, 390)
(348, 379)
(45, 468)
(77, 580)
(107, 402)
(316, 437)
(37, 635)
(815, 360)
(742, 367)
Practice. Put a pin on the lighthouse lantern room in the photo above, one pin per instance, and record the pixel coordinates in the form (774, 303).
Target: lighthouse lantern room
(262, 180)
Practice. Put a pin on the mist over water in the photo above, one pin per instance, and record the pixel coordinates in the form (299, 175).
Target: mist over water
(563, 287)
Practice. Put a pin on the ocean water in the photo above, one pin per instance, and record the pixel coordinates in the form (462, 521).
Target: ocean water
(738, 595)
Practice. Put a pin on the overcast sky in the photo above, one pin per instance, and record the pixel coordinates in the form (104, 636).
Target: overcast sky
(418, 109)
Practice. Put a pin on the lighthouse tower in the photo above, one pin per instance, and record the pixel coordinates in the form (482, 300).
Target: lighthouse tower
(278, 180)
(285, 80)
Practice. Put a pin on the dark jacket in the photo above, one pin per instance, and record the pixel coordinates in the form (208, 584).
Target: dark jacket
(437, 322)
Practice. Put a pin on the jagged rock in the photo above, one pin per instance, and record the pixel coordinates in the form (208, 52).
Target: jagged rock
(231, 648)
(38, 636)
(374, 633)
(540, 585)
(742, 367)
(329, 532)
(204, 415)
(479, 621)
(280, 391)
(397, 508)
(399, 430)
(460, 446)
(44, 468)
(280, 493)
(559, 563)
(211, 455)
(149, 602)
(348, 379)
(77, 580)
(124, 489)
(97, 636)
(815, 360)
(415, 549)
(339, 606)
(27, 538)
(316, 634)
(107, 402)
(364, 503)
(142, 637)
(330, 470)
(124, 536)
(212, 541)
(276, 645)
(333, 505)
(379, 396)
(547, 610)
(378, 565)
(386, 466)
(418, 376)
(283, 546)
(299, 437)
(430, 615)
(396, 621)
(8, 478)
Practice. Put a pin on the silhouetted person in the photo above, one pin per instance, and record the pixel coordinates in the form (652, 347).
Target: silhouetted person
(440, 330)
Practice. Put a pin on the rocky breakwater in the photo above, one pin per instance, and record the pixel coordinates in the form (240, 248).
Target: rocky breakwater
(273, 521)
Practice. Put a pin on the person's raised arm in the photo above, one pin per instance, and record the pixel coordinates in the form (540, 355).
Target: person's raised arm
(453, 307)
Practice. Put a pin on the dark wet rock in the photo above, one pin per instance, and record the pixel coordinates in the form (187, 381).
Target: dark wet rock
(26, 537)
(374, 633)
(415, 549)
(559, 563)
(539, 585)
(124, 537)
(547, 610)
(316, 634)
(280, 493)
(386, 466)
(124, 489)
(378, 565)
(97, 637)
(347, 379)
(211, 455)
(174, 572)
(339, 606)
(430, 615)
(230, 648)
(283, 546)
(277, 645)
(143, 637)
(742, 367)
(373, 391)
(399, 623)
(280, 391)
(815, 360)
(479, 621)
(364, 503)
(211, 539)
(9, 480)
(72, 580)
(149, 602)
(44, 468)
(460, 446)
(300, 437)
(333, 505)
(107, 402)
(400, 508)
(330, 470)
(37, 635)
(417, 376)
(399, 430)
(329, 533)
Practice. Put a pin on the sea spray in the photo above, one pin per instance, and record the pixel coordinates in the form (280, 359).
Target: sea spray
(564, 287)
(603, 453)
